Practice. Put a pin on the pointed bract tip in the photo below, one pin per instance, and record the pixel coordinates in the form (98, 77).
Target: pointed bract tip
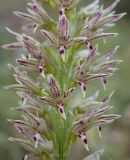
(117, 47)
(11, 31)
(13, 46)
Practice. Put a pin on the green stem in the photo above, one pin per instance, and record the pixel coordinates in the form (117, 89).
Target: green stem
(61, 135)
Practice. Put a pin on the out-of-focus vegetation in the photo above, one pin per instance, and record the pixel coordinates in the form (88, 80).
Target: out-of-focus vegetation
(116, 137)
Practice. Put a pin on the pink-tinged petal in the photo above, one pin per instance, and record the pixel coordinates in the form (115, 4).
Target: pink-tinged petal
(24, 15)
(110, 8)
(25, 157)
(24, 143)
(83, 88)
(32, 27)
(61, 12)
(103, 36)
(93, 21)
(104, 82)
(106, 100)
(83, 137)
(54, 88)
(37, 9)
(111, 53)
(29, 115)
(19, 122)
(47, 100)
(99, 129)
(89, 45)
(25, 98)
(94, 4)
(33, 5)
(30, 63)
(110, 19)
(41, 70)
(49, 36)
(60, 108)
(91, 55)
(35, 26)
(108, 118)
(79, 40)
(15, 45)
(37, 138)
(28, 44)
(20, 129)
(63, 28)
(17, 87)
(68, 93)
(33, 50)
(62, 52)
(103, 110)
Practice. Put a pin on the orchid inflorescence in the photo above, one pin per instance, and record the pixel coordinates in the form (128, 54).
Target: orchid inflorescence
(50, 73)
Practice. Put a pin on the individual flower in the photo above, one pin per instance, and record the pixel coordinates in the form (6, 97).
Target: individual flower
(93, 115)
(101, 68)
(55, 97)
(37, 16)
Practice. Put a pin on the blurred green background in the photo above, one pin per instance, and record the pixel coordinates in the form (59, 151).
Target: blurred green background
(116, 137)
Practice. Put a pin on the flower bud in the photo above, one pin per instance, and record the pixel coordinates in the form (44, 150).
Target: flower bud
(63, 29)
(54, 88)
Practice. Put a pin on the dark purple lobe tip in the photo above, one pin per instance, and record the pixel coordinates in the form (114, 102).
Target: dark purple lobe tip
(100, 128)
(85, 141)
(61, 110)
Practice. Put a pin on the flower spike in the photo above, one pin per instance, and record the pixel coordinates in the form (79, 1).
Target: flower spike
(50, 71)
